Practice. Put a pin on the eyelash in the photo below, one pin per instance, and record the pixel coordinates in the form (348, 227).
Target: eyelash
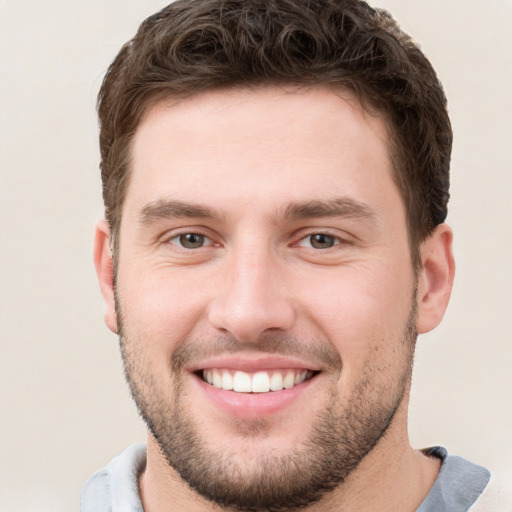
(336, 240)
(180, 236)
(179, 239)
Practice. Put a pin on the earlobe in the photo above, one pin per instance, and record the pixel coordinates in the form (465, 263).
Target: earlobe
(105, 272)
(435, 278)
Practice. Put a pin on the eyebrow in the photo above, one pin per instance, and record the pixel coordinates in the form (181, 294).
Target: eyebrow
(299, 210)
(337, 207)
(174, 209)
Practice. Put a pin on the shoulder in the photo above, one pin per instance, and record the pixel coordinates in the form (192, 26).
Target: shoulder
(466, 487)
(95, 493)
(458, 486)
(115, 487)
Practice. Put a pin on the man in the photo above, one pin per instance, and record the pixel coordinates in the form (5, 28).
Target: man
(275, 178)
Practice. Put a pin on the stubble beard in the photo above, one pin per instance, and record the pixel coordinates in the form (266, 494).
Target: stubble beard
(340, 437)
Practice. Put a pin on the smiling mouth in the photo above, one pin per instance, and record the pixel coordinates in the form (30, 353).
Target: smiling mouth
(257, 382)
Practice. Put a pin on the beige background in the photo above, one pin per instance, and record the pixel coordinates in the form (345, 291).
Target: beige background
(64, 409)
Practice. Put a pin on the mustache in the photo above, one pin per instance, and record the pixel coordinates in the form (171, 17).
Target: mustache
(319, 353)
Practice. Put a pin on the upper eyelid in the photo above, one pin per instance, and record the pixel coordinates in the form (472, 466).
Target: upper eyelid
(307, 232)
(338, 239)
(186, 230)
(209, 242)
(295, 237)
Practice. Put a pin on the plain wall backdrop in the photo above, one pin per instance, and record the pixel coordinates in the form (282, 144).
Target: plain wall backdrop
(65, 410)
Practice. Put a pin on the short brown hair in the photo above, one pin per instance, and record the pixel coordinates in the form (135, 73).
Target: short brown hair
(194, 45)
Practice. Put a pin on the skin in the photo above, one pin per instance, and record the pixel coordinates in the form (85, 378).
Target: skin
(248, 159)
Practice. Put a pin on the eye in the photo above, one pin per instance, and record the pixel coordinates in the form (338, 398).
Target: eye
(190, 240)
(319, 241)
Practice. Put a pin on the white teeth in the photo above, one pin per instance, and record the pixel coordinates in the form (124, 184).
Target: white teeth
(227, 381)
(276, 382)
(242, 382)
(217, 379)
(259, 382)
(289, 380)
(300, 377)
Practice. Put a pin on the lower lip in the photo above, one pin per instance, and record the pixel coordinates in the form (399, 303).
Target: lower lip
(252, 405)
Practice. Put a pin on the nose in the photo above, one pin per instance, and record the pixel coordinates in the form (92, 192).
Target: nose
(251, 298)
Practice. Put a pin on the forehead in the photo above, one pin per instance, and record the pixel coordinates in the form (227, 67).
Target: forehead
(240, 145)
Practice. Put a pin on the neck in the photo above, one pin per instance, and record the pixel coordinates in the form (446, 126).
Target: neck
(386, 480)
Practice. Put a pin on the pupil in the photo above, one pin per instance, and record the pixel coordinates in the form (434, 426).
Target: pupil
(322, 241)
(191, 240)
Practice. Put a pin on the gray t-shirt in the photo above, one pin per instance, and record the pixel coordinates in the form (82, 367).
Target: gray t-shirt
(458, 485)
(115, 487)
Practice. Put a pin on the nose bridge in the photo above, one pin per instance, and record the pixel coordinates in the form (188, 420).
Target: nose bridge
(251, 298)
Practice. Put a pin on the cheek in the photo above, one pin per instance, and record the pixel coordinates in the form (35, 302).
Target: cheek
(162, 307)
(360, 309)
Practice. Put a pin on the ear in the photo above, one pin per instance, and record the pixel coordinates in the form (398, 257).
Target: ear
(435, 278)
(105, 272)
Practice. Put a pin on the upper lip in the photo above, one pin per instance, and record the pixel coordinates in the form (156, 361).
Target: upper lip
(255, 363)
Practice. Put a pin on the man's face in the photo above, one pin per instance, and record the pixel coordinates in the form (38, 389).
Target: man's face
(263, 245)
